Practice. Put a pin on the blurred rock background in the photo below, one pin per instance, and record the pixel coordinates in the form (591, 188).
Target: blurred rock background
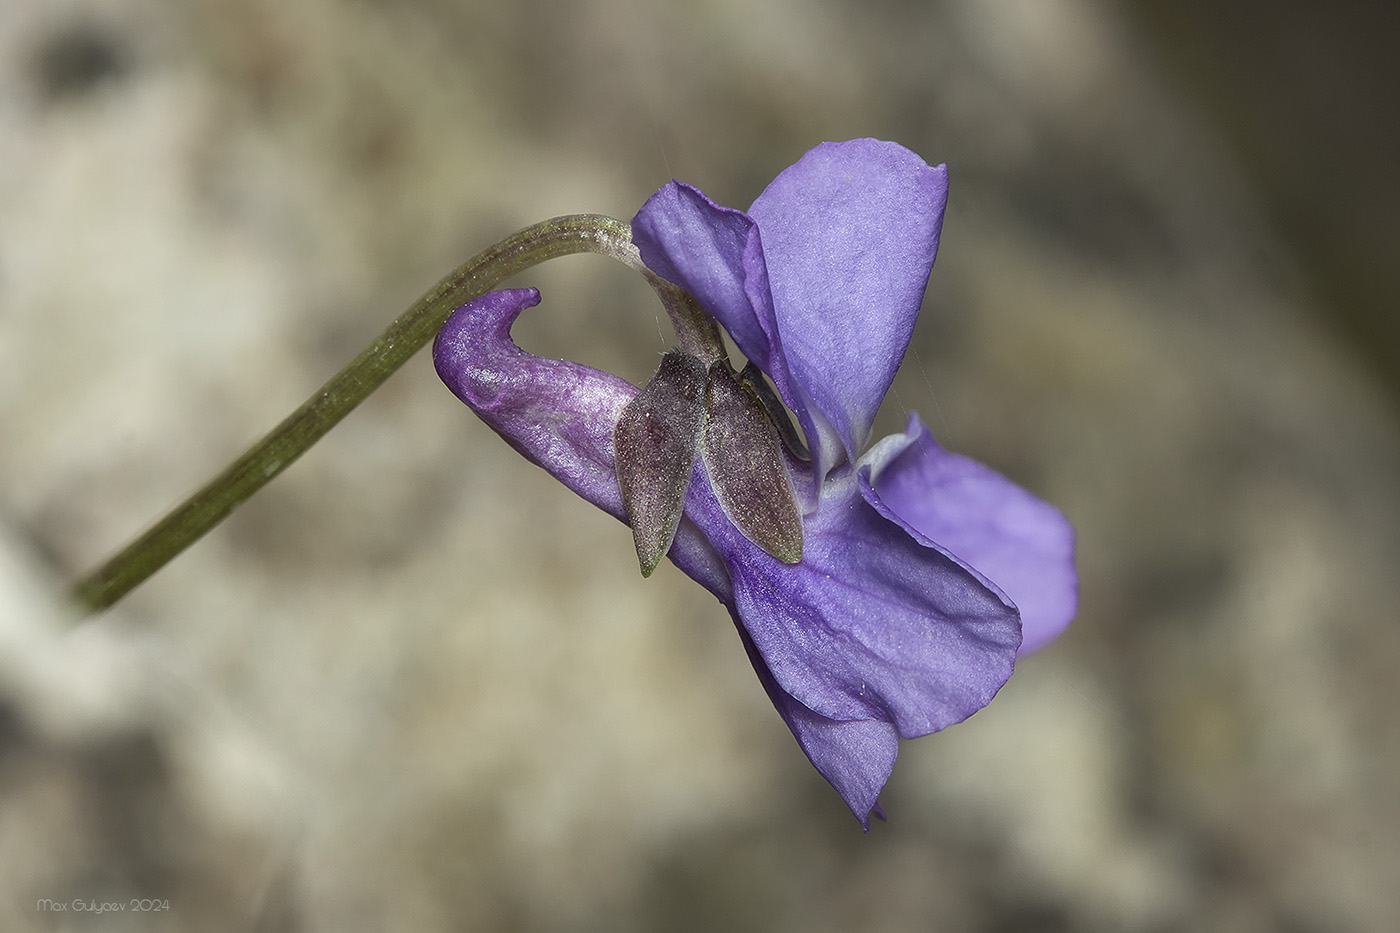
(414, 685)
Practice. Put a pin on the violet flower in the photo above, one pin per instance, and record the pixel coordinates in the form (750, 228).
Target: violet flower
(921, 572)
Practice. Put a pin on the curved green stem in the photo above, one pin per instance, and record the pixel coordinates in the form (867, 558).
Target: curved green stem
(561, 236)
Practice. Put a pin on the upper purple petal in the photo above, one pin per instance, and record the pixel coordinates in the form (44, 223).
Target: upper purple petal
(849, 237)
(1022, 544)
(559, 415)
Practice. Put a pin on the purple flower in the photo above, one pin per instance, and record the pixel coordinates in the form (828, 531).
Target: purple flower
(921, 572)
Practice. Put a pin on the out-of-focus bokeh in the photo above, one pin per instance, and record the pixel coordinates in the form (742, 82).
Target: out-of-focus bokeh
(415, 685)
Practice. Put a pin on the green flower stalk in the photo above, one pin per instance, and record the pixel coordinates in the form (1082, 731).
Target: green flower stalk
(409, 332)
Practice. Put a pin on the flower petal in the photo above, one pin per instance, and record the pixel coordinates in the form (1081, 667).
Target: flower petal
(872, 624)
(849, 237)
(855, 757)
(559, 415)
(689, 240)
(1020, 542)
(715, 253)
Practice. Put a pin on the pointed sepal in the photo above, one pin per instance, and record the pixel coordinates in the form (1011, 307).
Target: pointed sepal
(657, 441)
(743, 454)
(752, 378)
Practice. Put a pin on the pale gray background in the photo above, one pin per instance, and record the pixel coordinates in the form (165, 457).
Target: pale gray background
(415, 685)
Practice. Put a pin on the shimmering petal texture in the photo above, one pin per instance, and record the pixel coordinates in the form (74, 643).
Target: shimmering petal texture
(1019, 542)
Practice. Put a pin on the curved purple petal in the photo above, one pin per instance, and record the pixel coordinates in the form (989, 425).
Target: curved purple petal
(855, 757)
(689, 240)
(561, 416)
(716, 254)
(849, 237)
(1020, 542)
(872, 624)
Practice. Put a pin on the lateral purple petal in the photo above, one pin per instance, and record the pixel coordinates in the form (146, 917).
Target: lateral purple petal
(872, 624)
(686, 238)
(855, 757)
(1019, 542)
(560, 415)
(849, 237)
(715, 253)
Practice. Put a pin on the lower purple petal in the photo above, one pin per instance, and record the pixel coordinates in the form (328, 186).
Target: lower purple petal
(872, 624)
(1022, 544)
(855, 757)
